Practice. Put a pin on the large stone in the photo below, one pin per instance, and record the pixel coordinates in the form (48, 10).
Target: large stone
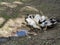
(10, 26)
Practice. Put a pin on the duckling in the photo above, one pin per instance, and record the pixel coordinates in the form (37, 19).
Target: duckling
(37, 18)
(53, 21)
(30, 21)
(49, 23)
(43, 25)
(43, 22)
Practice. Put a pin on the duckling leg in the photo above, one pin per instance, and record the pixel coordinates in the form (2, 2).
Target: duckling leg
(28, 36)
(45, 28)
(32, 33)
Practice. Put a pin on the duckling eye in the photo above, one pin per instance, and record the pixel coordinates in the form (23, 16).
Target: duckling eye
(30, 16)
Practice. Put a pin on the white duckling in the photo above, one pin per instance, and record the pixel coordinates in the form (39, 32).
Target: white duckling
(31, 22)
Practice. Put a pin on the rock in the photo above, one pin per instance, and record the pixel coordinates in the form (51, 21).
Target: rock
(19, 21)
(4, 33)
(6, 29)
(10, 26)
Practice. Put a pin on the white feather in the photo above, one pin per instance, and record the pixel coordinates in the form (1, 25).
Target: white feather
(31, 22)
(37, 18)
(43, 18)
(48, 23)
(43, 24)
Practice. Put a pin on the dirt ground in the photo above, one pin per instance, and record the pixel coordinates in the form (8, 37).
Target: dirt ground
(51, 36)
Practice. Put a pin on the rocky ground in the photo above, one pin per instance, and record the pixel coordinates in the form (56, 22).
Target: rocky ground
(12, 12)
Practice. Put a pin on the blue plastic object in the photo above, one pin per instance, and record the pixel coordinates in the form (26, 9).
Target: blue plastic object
(21, 33)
